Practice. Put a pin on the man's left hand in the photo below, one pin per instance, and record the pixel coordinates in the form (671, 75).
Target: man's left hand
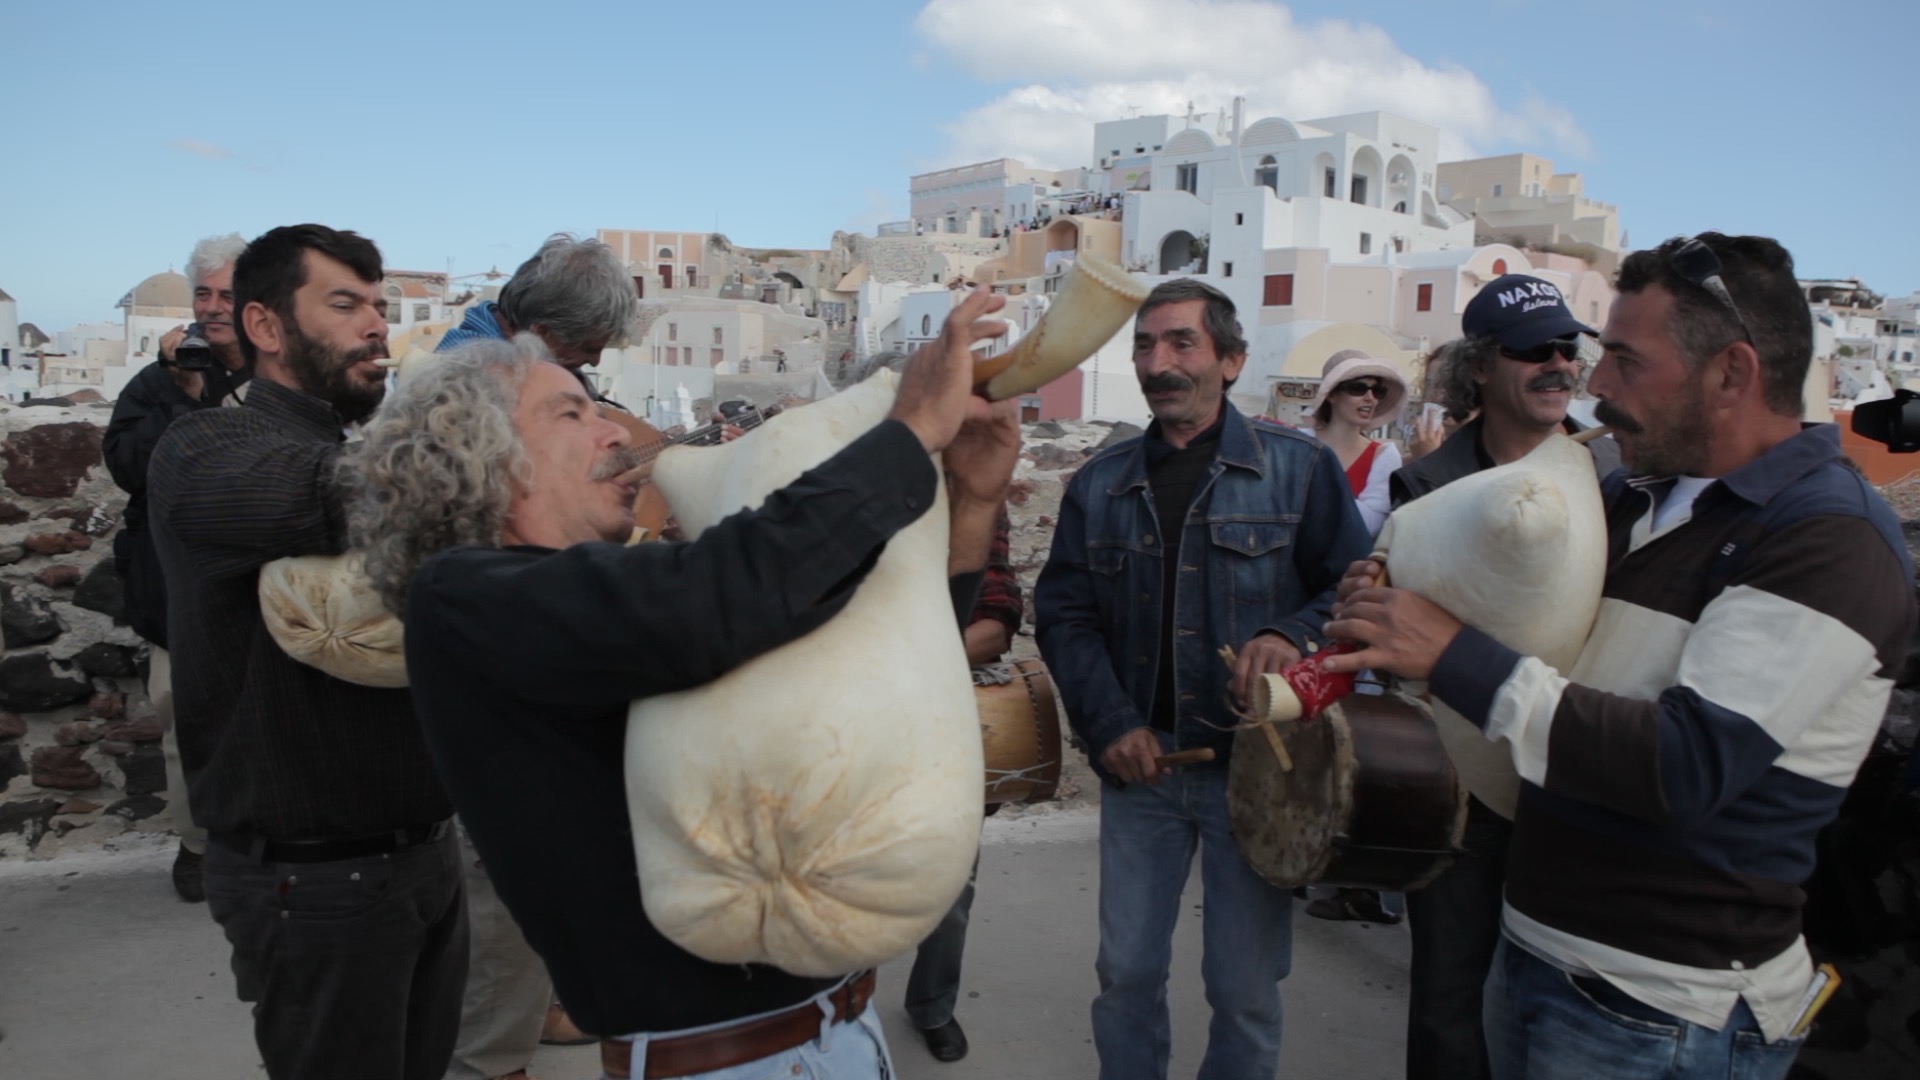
(981, 458)
(1403, 632)
(1267, 654)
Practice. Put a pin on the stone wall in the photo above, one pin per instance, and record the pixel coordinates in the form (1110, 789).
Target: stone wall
(80, 758)
(923, 260)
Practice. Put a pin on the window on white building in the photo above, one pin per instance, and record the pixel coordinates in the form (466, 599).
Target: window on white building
(1423, 297)
(673, 331)
(926, 326)
(1187, 178)
(1366, 243)
(1239, 219)
(1226, 269)
(1497, 189)
(1279, 291)
(1268, 174)
(1330, 182)
(716, 336)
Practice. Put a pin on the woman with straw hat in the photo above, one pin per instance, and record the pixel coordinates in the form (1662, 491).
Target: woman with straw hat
(1358, 394)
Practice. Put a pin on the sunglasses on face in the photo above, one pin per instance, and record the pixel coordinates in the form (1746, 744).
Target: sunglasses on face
(1545, 351)
(1696, 262)
(1364, 387)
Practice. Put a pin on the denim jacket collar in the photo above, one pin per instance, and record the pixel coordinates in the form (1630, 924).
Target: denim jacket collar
(1239, 447)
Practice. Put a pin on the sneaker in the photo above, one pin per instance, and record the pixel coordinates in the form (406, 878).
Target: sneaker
(186, 876)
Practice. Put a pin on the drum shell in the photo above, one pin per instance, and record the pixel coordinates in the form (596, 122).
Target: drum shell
(1372, 800)
(1020, 732)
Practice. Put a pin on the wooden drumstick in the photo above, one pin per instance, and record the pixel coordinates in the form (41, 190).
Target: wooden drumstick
(1183, 757)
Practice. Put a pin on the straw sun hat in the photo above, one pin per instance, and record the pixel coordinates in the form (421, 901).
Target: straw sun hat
(1349, 364)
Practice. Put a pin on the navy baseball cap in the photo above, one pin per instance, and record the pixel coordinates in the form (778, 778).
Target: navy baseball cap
(1520, 312)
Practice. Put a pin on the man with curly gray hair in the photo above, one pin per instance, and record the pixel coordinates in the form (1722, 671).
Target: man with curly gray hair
(576, 298)
(491, 499)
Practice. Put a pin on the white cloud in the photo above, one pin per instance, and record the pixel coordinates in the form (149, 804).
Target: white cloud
(203, 148)
(1082, 63)
(876, 207)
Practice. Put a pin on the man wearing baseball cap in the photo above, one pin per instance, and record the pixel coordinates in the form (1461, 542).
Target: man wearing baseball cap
(1516, 365)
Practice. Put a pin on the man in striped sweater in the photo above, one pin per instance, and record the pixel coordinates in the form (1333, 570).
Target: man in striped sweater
(1756, 607)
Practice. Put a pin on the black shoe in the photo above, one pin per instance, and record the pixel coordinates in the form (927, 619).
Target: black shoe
(946, 1042)
(186, 877)
(1353, 905)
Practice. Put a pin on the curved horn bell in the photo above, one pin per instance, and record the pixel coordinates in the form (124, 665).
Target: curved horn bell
(1096, 301)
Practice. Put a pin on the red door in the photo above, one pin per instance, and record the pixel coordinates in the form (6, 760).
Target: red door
(666, 275)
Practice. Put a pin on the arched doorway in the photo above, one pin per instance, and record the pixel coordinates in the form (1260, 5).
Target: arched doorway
(1176, 252)
(1063, 235)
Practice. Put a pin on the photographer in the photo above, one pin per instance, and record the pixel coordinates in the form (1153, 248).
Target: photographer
(199, 366)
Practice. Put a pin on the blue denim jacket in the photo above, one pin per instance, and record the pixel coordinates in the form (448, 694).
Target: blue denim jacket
(1272, 528)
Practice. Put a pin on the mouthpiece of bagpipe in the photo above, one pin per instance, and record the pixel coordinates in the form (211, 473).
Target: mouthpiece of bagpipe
(403, 366)
(1096, 301)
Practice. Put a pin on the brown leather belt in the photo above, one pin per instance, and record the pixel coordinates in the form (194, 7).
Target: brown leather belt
(751, 1040)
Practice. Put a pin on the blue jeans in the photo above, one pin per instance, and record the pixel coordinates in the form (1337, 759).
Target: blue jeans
(855, 1050)
(1544, 1024)
(1148, 835)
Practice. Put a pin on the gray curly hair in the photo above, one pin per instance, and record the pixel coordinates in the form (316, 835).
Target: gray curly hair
(1452, 373)
(436, 465)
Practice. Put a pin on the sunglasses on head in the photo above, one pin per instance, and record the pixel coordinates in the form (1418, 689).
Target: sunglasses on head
(1363, 387)
(1568, 347)
(1696, 262)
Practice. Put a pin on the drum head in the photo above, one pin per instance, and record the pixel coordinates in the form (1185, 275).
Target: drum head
(1371, 801)
(1287, 821)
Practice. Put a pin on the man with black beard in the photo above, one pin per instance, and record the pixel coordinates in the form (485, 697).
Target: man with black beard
(330, 864)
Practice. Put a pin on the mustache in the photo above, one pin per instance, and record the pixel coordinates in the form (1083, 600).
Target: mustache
(1552, 380)
(1607, 413)
(619, 462)
(1165, 380)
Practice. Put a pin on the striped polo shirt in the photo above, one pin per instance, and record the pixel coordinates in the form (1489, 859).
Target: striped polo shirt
(1674, 781)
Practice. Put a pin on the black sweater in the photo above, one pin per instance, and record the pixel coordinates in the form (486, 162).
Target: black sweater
(523, 662)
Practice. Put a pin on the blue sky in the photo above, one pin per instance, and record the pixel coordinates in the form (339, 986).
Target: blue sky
(469, 132)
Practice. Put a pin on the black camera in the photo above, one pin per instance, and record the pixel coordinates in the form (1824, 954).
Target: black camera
(193, 353)
(1894, 422)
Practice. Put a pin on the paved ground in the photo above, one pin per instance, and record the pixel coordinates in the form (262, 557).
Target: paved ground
(103, 972)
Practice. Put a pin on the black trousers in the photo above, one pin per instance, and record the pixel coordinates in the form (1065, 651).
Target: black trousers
(933, 987)
(355, 968)
(1456, 927)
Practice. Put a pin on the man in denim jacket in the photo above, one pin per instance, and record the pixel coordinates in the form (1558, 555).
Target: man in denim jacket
(1210, 530)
